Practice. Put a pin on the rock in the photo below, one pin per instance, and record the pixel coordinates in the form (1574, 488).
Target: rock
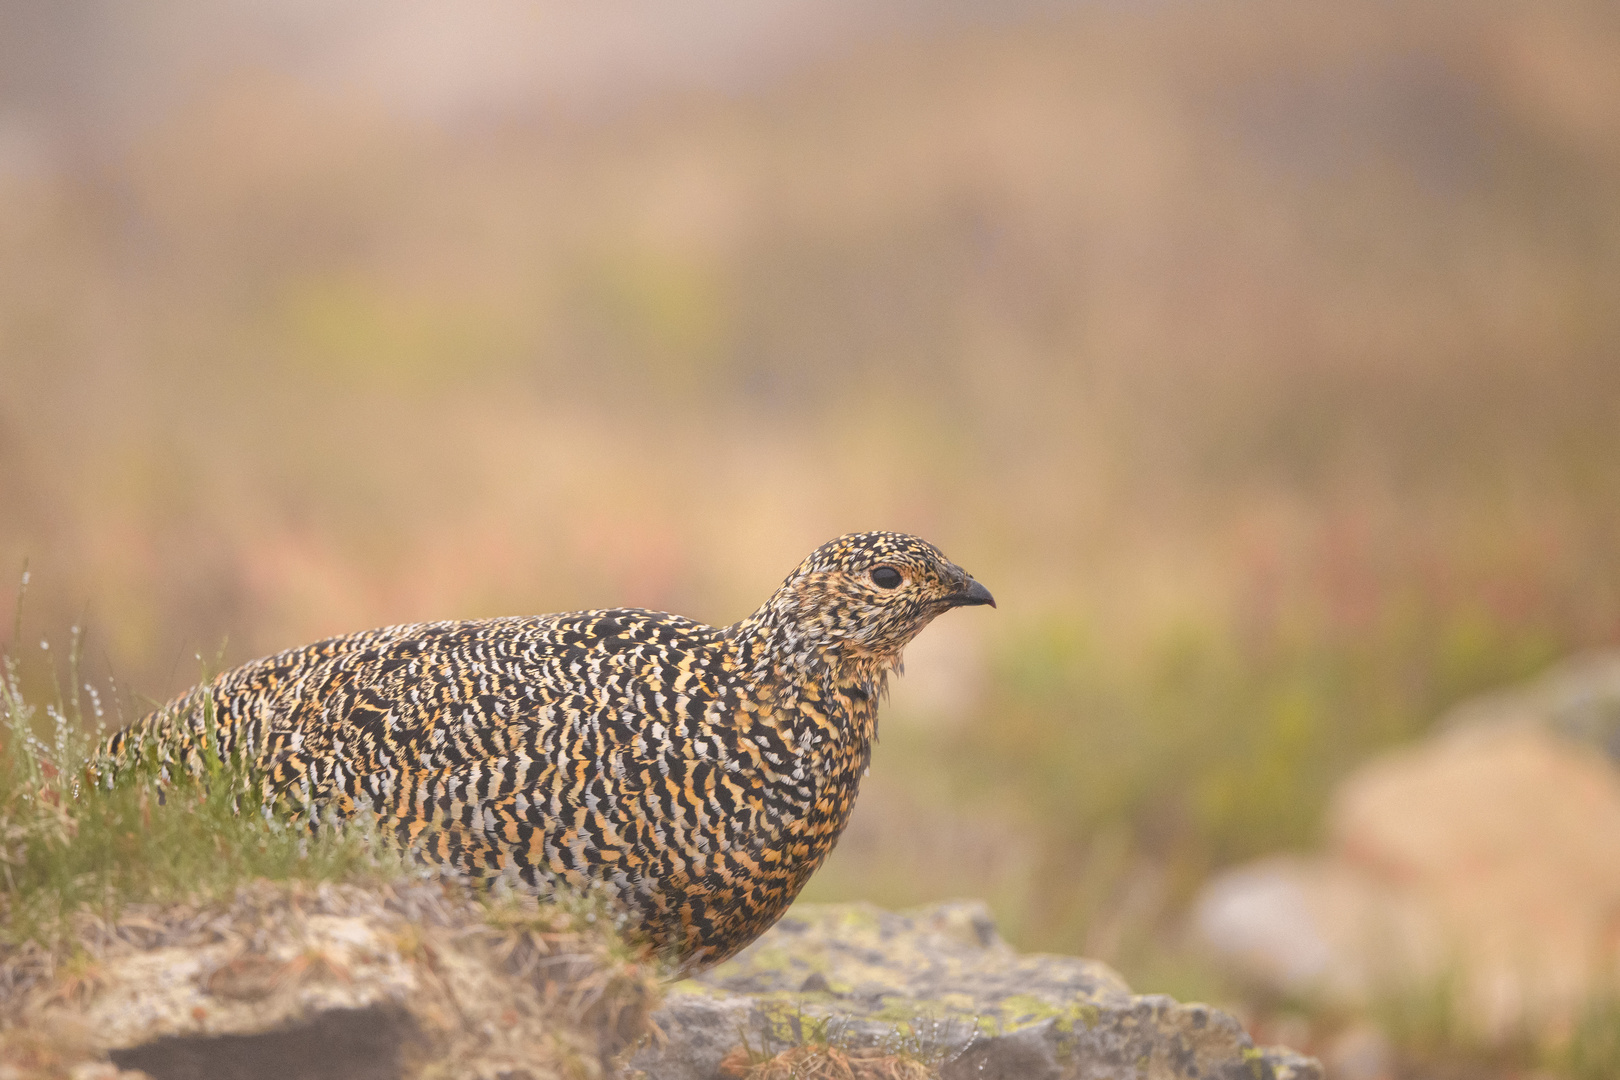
(1512, 836)
(1360, 1052)
(1319, 928)
(418, 979)
(939, 984)
(1482, 864)
(358, 1044)
(1025, 1054)
(376, 983)
(1578, 700)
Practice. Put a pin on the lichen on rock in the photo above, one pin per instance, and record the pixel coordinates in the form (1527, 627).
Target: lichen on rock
(421, 980)
(940, 984)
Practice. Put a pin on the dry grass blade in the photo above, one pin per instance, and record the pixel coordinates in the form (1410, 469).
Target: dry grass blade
(822, 1062)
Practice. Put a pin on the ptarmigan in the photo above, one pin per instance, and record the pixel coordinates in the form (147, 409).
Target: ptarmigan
(700, 775)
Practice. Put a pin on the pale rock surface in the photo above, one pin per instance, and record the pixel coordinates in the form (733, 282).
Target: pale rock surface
(1360, 1052)
(1578, 699)
(1512, 836)
(940, 982)
(1320, 927)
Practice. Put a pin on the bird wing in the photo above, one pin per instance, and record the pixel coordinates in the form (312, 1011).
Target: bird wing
(575, 747)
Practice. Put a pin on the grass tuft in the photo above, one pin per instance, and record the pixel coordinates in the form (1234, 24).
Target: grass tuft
(70, 839)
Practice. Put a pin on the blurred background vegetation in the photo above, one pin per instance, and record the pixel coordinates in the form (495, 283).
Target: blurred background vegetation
(1262, 357)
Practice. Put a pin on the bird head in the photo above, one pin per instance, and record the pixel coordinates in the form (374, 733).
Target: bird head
(864, 596)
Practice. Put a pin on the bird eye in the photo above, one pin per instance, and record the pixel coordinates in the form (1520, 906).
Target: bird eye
(885, 577)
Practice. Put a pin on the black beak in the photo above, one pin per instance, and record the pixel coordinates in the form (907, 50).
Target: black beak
(973, 594)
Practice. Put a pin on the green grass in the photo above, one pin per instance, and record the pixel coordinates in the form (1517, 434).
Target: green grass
(1593, 1050)
(71, 839)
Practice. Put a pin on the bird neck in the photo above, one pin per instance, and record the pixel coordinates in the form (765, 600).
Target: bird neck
(777, 645)
(818, 699)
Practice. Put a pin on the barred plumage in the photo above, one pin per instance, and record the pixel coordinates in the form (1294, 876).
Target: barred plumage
(699, 774)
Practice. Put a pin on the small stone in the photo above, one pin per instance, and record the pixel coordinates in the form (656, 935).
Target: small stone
(1361, 1052)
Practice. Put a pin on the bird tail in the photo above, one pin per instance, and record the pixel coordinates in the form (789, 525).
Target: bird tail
(183, 736)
